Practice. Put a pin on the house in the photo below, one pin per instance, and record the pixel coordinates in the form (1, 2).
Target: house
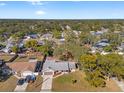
(53, 67)
(77, 33)
(121, 47)
(102, 43)
(104, 53)
(100, 32)
(5, 70)
(40, 42)
(31, 36)
(47, 36)
(68, 27)
(22, 68)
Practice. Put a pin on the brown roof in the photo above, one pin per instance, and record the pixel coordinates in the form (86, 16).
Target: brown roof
(22, 66)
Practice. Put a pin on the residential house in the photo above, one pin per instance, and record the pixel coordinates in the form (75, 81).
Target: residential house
(102, 43)
(5, 70)
(22, 69)
(121, 47)
(53, 67)
(100, 32)
(47, 36)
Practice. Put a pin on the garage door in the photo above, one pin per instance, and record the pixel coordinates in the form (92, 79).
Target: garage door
(48, 73)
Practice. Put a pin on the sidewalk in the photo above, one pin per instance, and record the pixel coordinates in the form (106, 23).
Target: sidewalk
(47, 83)
(119, 83)
(21, 88)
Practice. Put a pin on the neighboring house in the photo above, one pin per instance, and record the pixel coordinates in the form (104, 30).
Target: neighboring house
(102, 43)
(121, 47)
(1, 46)
(53, 67)
(8, 47)
(68, 27)
(104, 53)
(28, 37)
(47, 36)
(5, 70)
(102, 31)
(22, 68)
(77, 33)
(40, 42)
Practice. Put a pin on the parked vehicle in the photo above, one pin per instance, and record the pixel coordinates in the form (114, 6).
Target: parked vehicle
(30, 78)
(21, 81)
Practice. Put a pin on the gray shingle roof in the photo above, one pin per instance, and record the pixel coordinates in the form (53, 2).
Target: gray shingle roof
(58, 66)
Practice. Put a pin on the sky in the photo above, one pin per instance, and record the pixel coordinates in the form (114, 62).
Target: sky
(61, 10)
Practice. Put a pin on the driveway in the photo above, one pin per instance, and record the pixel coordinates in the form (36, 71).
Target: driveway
(21, 88)
(47, 83)
(119, 83)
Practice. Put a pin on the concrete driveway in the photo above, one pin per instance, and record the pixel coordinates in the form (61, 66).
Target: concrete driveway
(21, 88)
(119, 83)
(47, 83)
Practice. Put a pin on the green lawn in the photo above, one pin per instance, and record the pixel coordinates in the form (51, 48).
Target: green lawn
(64, 84)
(26, 59)
(6, 57)
(19, 59)
(9, 85)
(36, 86)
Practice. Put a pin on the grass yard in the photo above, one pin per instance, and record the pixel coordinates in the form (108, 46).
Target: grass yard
(36, 86)
(6, 57)
(19, 59)
(26, 58)
(9, 85)
(64, 84)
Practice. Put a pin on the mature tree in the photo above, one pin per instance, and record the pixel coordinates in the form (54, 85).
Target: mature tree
(15, 49)
(93, 72)
(108, 48)
(57, 34)
(46, 49)
(98, 68)
(31, 44)
(112, 65)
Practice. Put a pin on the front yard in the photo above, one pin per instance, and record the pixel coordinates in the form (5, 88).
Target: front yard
(36, 86)
(9, 85)
(64, 83)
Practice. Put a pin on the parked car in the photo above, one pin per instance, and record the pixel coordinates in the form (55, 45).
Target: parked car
(30, 78)
(21, 81)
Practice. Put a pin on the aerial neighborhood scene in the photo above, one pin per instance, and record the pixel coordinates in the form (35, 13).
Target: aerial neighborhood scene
(61, 52)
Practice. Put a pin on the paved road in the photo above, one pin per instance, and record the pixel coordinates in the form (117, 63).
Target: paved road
(47, 83)
(119, 83)
(21, 88)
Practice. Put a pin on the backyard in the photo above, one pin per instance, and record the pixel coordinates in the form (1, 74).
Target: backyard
(8, 85)
(6, 57)
(36, 86)
(26, 58)
(65, 83)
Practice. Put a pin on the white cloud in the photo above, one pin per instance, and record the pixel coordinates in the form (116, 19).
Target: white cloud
(2, 4)
(36, 2)
(40, 12)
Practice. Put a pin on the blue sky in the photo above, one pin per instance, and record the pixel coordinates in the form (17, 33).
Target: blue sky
(62, 10)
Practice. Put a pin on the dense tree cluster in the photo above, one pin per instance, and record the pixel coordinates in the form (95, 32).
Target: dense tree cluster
(99, 68)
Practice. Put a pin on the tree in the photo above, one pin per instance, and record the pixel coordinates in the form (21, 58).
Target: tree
(98, 68)
(92, 70)
(31, 44)
(112, 65)
(108, 48)
(46, 49)
(15, 49)
(57, 34)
